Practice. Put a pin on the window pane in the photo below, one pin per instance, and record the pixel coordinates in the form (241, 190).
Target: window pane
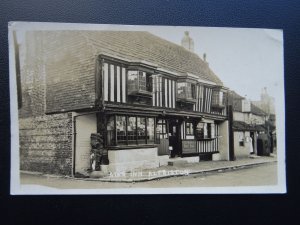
(132, 81)
(150, 130)
(200, 130)
(149, 82)
(121, 130)
(212, 128)
(188, 90)
(142, 81)
(110, 131)
(189, 129)
(215, 98)
(205, 130)
(131, 129)
(221, 98)
(161, 126)
(141, 130)
(181, 90)
(209, 130)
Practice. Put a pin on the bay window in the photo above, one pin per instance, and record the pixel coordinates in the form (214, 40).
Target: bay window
(139, 82)
(186, 90)
(130, 130)
(218, 99)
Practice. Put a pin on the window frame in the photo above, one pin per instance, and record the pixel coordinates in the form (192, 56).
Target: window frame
(217, 100)
(191, 127)
(188, 86)
(135, 142)
(208, 128)
(147, 87)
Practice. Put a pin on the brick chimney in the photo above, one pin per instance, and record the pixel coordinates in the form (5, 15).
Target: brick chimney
(187, 42)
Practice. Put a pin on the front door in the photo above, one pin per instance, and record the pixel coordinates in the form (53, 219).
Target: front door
(174, 141)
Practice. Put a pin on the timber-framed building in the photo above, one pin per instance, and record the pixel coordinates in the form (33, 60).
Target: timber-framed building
(148, 98)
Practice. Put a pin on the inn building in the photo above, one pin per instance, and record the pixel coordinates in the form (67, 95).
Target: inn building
(150, 100)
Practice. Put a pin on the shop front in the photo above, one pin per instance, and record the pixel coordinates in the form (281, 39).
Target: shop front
(141, 141)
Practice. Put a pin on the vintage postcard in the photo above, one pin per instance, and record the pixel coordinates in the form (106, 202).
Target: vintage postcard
(119, 109)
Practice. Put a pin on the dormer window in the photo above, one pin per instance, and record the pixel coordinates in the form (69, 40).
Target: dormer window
(139, 83)
(186, 92)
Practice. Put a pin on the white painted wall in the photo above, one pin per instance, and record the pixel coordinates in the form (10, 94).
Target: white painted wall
(85, 125)
(241, 151)
(224, 141)
(132, 159)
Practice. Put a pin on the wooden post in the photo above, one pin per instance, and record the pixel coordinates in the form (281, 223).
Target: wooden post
(230, 133)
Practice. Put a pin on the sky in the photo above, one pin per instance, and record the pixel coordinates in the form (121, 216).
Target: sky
(245, 59)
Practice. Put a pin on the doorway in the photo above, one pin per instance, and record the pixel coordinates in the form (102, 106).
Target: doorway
(253, 141)
(174, 138)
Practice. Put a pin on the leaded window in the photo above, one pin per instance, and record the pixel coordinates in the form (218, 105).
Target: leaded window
(139, 81)
(130, 130)
(186, 90)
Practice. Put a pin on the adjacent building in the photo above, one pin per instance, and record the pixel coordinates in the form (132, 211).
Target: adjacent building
(248, 121)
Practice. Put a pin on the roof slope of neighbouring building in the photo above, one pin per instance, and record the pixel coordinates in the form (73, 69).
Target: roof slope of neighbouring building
(236, 101)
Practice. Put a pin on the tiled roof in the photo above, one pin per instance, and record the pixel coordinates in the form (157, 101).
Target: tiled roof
(140, 45)
(236, 101)
(256, 110)
(242, 126)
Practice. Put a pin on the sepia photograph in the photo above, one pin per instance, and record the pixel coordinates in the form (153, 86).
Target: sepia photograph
(131, 109)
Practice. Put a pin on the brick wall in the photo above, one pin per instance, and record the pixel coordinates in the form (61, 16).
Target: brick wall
(46, 144)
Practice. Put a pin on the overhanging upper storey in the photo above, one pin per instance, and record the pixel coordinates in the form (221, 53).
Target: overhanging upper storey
(142, 84)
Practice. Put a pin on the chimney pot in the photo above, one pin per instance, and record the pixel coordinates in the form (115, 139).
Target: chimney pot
(204, 57)
(187, 42)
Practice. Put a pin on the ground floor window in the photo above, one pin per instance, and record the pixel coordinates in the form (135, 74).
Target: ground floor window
(242, 139)
(161, 129)
(130, 130)
(189, 128)
(205, 130)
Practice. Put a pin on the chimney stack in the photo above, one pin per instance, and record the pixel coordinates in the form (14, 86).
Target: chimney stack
(204, 57)
(187, 42)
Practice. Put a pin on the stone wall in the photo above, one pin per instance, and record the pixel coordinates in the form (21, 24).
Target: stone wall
(46, 144)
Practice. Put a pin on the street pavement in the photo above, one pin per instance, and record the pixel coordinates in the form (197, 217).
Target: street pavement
(246, 172)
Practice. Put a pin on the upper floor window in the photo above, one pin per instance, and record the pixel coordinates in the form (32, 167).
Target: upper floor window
(186, 90)
(218, 99)
(139, 82)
